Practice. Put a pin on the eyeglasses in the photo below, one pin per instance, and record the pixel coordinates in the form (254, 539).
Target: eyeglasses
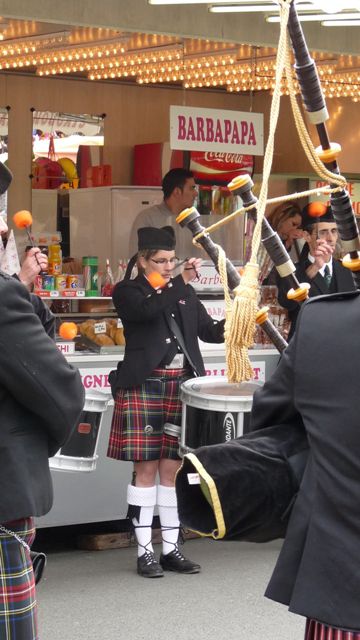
(171, 261)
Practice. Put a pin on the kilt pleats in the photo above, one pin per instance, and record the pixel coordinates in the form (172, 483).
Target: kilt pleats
(17, 586)
(137, 429)
(318, 631)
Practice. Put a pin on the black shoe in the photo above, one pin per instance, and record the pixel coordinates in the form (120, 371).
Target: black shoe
(148, 566)
(175, 561)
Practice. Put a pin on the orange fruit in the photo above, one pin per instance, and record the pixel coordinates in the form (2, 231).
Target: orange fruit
(68, 330)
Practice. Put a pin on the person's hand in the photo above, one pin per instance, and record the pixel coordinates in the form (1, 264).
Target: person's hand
(293, 234)
(34, 262)
(190, 270)
(322, 255)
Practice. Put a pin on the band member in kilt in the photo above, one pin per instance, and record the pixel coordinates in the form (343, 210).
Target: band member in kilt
(147, 384)
(41, 400)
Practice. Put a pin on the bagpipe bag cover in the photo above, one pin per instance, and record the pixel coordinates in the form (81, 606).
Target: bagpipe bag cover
(247, 485)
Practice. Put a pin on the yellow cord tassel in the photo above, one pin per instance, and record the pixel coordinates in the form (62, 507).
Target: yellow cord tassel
(240, 325)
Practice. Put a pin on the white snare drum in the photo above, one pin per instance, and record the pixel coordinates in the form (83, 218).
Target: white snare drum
(213, 410)
(79, 453)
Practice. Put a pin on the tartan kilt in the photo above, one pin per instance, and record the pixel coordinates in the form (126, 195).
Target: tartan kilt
(137, 428)
(17, 585)
(318, 631)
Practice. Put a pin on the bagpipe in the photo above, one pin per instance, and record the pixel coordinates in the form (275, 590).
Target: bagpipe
(245, 488)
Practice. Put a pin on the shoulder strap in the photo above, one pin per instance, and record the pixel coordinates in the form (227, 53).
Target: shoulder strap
(180, 338)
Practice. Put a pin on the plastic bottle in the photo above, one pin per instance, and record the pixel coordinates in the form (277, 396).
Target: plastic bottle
(55, 259)
(108, 281)
(90, 271)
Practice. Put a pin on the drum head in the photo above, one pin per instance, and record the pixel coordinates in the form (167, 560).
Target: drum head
(217, 394)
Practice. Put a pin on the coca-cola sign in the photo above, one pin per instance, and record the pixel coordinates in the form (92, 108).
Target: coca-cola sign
(234, 132)
(219, 166)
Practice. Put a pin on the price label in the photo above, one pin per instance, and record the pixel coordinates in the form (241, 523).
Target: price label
(73, 293)
(43, 293)
(100, 327)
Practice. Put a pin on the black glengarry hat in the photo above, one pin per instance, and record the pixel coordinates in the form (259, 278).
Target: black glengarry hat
(152, 238)
(316, 212)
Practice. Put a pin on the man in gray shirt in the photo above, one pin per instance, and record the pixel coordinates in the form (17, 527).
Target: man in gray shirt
(180, 193)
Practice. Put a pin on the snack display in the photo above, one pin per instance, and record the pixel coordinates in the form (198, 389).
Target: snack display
(103, 333)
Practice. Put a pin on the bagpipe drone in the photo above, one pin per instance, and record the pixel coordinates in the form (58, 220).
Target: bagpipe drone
(246, 486)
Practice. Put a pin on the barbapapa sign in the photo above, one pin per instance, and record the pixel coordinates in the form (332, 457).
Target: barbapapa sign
(194, 129)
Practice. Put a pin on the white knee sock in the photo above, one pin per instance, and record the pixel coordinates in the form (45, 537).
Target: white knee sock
(145, 499)
(169, 519)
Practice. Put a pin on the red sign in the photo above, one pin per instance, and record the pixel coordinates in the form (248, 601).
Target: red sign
(220, 166)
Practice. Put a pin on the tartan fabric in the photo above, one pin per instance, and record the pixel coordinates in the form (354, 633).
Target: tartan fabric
(318, 631)
(17, 586)
(139, 416)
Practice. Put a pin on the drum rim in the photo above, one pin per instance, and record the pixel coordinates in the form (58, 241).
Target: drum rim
(186, 392)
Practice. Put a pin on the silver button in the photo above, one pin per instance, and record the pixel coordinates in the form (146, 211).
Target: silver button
(148, 429)
(173, 315)
(168, 340)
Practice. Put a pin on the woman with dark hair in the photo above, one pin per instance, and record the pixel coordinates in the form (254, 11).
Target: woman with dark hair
(285, 219)
(162, 319)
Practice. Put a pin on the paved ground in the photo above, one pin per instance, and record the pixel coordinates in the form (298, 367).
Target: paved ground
(88, 595)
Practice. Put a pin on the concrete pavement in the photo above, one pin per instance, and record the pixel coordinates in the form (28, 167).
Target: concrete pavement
(88, 595)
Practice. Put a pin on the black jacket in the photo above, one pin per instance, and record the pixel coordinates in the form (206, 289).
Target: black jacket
(317, 574)
(342, 280)
(145, 314)
(41, 397)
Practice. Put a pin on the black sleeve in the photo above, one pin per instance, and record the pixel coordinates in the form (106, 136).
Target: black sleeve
(33, 370)
(43, 312)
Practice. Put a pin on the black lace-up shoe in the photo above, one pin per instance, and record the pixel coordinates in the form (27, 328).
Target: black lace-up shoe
(175, 561)
(148, 566)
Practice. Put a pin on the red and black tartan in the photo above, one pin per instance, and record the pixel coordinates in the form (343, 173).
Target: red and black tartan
(319, 631)
(139, 416)
(17, 585)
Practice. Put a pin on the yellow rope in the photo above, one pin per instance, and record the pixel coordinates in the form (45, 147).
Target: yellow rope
(241, 311)
(274, 116)
(238, 332)
(240, 321)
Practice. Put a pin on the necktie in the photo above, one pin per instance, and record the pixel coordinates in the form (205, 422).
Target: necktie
(327, 276)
